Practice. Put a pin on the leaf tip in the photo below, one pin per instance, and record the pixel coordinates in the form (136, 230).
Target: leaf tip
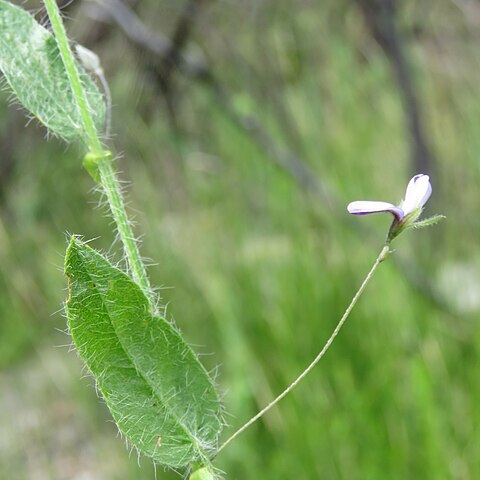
(70, 251)
(75, 245)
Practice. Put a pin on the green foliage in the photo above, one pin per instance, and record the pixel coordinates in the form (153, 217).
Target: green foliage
(265, 269)
(31, 62)
(429, 221)
(202, 474)
(159, 394)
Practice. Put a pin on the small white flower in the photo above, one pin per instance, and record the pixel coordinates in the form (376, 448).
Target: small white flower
(406, 214)
(416, 196)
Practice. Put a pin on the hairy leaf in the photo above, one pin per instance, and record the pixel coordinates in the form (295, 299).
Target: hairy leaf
(155, 387)
(31, 63)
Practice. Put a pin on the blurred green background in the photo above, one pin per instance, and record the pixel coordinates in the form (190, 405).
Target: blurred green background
(244, 129)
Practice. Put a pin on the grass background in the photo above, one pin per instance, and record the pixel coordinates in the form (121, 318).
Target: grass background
(255, 268)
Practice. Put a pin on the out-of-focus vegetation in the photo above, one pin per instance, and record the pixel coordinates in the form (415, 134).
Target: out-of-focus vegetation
(257, 263)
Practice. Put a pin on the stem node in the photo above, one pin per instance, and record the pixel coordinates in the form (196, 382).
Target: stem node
(92, 160)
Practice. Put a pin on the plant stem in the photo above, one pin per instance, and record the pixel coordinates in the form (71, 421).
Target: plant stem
(112, 189)
(382, 256)
(90, 130)
(98, 155)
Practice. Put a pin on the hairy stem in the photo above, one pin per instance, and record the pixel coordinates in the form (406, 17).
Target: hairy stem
(91, 139)
(382, 256)
(112, 189)
(101, 158)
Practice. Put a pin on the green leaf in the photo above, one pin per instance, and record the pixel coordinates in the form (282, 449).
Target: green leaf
(429, 221)
(31, 63)
(159, 394)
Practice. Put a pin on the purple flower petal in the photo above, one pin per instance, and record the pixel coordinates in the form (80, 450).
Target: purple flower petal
(364, 207)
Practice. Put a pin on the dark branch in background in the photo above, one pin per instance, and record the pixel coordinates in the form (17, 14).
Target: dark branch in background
(166, 68)
(153, 42)
(180, 38)
(381, 16)
(168, 54)
(197, 69)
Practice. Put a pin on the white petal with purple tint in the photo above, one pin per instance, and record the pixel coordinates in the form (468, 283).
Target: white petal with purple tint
(417, 194)
(407, 213)
(366, 207)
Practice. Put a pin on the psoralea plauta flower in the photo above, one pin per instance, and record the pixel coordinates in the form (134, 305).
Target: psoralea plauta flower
(407, 213)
